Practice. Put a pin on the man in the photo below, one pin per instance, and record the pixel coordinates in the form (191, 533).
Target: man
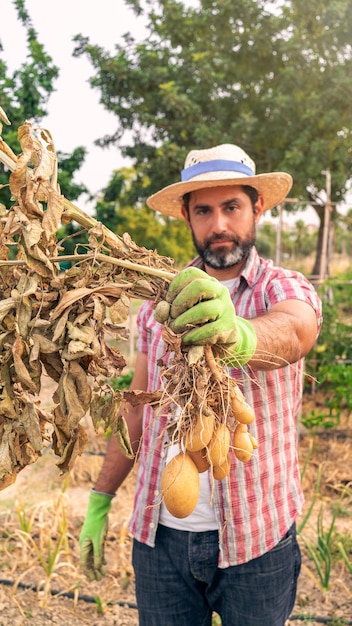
(237, 553)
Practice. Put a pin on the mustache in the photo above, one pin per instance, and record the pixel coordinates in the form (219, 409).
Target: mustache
(221, 237)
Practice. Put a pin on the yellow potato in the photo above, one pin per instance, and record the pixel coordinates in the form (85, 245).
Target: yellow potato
(241, 410)
(199, 433)
(242, 443)
(219, 445)
(254, 441)
(221, 471)
(180, 485)
(200, 459)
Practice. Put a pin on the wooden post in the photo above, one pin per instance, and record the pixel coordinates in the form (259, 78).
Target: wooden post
(325, 242)
(279, 236)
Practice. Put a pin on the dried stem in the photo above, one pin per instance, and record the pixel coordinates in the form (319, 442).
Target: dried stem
(143, 269)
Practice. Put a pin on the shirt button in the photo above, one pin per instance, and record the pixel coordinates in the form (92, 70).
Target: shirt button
(156, 492)
(152, 525)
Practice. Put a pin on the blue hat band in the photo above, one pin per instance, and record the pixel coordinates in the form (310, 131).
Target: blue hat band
(217, 165)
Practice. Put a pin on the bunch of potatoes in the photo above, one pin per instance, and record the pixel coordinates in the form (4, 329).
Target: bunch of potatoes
(206, 444)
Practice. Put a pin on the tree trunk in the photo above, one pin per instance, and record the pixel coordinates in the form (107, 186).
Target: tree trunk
(323, 255)
(319, 254)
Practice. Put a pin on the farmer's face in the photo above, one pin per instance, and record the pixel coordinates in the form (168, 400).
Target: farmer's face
(222, 221)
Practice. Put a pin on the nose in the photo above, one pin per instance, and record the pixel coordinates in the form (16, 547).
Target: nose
(219, 222)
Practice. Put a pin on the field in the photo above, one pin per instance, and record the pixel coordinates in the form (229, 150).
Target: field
(42, 513)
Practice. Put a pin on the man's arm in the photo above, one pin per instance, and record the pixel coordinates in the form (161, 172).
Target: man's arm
(114, 470)
(284, 335)
(116, 465)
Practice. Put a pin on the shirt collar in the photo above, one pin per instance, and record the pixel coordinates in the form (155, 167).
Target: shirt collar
(249, 271)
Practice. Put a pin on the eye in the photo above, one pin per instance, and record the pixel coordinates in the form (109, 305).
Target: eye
(231, 207)
(201, 210)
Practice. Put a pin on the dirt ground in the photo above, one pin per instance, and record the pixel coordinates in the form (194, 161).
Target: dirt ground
(52, 508)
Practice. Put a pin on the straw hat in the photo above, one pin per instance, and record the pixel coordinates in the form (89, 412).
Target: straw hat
(220, 166)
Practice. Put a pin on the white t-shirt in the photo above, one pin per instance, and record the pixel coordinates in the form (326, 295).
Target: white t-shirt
(202, 517)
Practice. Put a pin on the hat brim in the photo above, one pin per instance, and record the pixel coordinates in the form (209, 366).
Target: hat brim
(273, 188)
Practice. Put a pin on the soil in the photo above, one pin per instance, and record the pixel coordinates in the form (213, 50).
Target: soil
(52, 508)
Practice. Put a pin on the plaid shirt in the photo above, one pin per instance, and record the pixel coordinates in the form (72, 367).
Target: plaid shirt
(256, 505)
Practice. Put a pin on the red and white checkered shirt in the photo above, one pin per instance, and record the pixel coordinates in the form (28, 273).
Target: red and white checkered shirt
(256, 505)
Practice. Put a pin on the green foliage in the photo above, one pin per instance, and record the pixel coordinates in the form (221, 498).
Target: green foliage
(148, 229)
(330, 362)
(68, 164)
(123, 381)
(266, 241)
(328, 546)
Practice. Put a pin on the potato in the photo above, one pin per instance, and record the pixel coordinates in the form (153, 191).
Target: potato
(221, 471)
(200, 433)
(219, 445)
(241, 410)
(200, 459)
(180, 485)
(243, 446)
(162, 311)
(254, 441)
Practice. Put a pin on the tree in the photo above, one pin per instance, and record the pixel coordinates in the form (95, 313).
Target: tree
(155, 232)
(273, 77)
(25, 96)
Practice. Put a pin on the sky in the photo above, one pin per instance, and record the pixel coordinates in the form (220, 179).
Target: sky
(76, 118)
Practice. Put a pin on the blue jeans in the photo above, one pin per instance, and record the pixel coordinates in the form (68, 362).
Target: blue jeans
(178, 583)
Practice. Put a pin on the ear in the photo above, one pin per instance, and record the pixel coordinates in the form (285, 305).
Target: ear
(258, 209)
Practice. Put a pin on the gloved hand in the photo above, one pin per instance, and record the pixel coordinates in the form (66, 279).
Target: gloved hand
(203, 305)
(93, 535)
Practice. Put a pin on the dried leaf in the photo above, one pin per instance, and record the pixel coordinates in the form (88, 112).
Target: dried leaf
(99, 309)
(7, 408)
(76, 350)
(84, 390)
(84, 334)
(33, 234)
(60, 326)
(104, 409)
(7, 460)
(120, 310)
(24, 316)
(75, 409)
(22, 372)
(135, 398)
(4, 117)
(69, 298)
(29, 420)
(5, 148)
(73, 449)
(119, 430)
(60, 436)
(53, 365)
(52, 216)
(113, 359)
(6, 306)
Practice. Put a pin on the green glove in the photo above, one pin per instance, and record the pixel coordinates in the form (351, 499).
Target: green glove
(202, 304)
(93, 535)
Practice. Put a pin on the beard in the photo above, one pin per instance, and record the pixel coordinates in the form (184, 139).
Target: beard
(223, 257)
